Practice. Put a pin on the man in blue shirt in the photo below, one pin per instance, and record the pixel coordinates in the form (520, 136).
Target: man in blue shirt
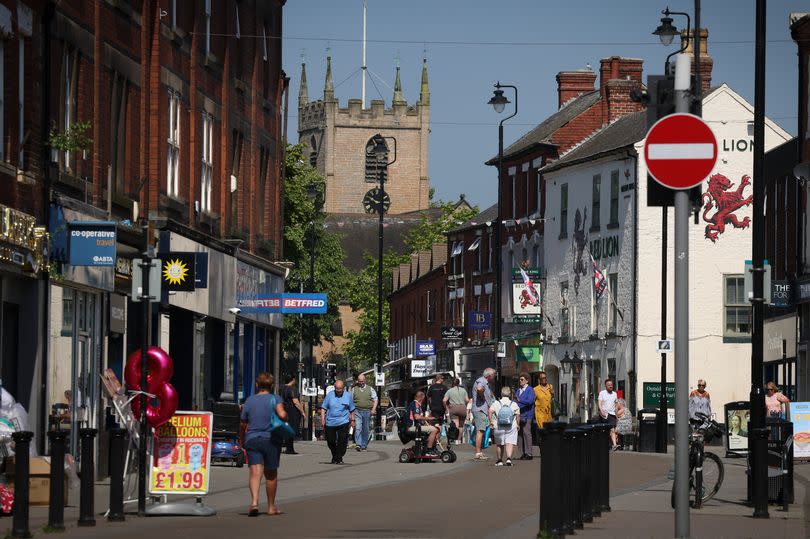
(337, 413)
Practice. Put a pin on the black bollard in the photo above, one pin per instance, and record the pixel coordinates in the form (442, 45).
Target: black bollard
(759, 437)
(56, 500)
(118, 443)
(586, 473)
(596, 467)
(567, 494)
(551, 473)
(575, 474)
(22, 464)
(604, 483)
(86, 494)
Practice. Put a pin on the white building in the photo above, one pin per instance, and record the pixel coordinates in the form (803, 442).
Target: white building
(616, 337)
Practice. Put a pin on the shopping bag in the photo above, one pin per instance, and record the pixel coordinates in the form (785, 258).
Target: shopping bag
(487, 435)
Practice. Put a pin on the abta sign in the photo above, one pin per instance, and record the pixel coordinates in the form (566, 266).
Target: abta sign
(680, 151)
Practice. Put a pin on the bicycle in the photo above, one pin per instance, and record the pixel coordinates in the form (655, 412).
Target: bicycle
(706, 470)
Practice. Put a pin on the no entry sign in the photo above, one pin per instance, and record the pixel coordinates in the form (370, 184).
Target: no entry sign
(680, 151)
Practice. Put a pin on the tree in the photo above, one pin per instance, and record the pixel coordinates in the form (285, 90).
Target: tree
(303, 227)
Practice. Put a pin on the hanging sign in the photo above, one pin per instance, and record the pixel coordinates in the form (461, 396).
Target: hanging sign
(181, 455)
(425, 348)
(177, 271)
(284, 303)
(91, 243)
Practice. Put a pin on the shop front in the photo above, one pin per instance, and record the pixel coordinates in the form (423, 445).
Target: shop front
(779, 353)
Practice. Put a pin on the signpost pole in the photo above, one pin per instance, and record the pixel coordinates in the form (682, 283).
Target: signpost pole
(682, 207)
(661, 438)
(146, 265)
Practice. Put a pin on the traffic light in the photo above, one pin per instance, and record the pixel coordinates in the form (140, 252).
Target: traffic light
(320, 375)
(660, 100)
(331, 374)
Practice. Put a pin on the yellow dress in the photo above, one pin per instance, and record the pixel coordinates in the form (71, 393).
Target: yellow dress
(542, 404)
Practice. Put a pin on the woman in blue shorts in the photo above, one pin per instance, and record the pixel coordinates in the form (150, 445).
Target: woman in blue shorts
(263, 452)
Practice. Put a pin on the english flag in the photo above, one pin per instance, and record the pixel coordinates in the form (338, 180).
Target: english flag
(600, 282)
(534, 297)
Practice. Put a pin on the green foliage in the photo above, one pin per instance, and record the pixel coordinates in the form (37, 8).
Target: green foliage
(303, 225)
(75, 138)
(431, 231)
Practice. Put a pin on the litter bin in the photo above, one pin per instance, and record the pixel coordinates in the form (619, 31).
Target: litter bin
(780, 461)
(647, 418)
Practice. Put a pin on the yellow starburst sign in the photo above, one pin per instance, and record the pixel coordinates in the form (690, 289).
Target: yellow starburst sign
(175, 271)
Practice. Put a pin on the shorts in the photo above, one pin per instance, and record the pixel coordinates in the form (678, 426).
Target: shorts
(481, 420)
(426, 429)
(459, 411)
(611, 420)
(438, 416)
(506, 436)
(263, 451)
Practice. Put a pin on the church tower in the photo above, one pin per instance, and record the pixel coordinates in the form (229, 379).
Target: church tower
(336, 139)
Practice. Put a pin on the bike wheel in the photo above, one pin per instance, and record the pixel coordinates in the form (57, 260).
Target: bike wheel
(713, 473)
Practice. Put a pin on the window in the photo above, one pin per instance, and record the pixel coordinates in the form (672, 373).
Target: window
(513, 176)
(264, 161)
(597, 187)
(431, 307)
(207, 27)
(2, 97)
(118, 133)
(614, 198)
(611, 368)
(489, 251)
(538, 181)
(737, 310)
(207, 168)
(21, 99)
(173, 155)
(565, 318)
(564, 210)
(528, 191)
(69, 76)
(236, 163)
(67, 311)
(613, 313)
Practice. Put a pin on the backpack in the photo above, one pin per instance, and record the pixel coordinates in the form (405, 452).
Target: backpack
(506, 416)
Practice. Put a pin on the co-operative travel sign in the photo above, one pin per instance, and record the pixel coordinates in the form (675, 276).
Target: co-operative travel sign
(284, 304)
(181, 455)
(91, 243)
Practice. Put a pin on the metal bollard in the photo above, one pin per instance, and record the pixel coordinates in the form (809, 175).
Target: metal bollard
(86, 494)
(551, 473)
(567, 494)
(596, 467)
(604, 483)
(56, 501)
(575, 467)
(118, 444)
(22, 464)
(586, 473)
(758, 438)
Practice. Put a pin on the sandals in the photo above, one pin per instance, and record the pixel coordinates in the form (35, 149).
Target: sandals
(253, 511)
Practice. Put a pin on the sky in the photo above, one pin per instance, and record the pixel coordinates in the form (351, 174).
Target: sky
(472, 44)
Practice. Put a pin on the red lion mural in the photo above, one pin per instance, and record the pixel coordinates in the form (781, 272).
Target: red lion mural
(726, 202)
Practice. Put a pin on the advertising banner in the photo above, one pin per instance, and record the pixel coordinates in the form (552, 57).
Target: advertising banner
(181, 455)
(800, 415)
(177, 271)
(420, 368)
(530, 354)
(91, 243)
(526, 304)
(425, 348)
(284, 304)
(737, 416)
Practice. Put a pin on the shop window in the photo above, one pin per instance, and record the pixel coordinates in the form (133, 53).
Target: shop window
(67, 311)
(737, 311)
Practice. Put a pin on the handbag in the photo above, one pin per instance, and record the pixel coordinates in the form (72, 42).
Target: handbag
(556, 410)
(485, 441)
(280, 430)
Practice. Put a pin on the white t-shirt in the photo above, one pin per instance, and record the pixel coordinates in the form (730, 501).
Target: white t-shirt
(608, 401)
(496, 407)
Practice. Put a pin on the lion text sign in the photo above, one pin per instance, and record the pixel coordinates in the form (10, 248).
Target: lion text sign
(680, 151)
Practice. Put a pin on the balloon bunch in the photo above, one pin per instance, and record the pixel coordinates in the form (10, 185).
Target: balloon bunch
(159, 371)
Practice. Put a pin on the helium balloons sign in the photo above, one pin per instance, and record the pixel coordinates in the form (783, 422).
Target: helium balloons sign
(160, 369)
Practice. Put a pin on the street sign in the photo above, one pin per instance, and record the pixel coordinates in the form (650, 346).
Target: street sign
(501, 349)
(137, 280)
(680, 151)
(664, 346)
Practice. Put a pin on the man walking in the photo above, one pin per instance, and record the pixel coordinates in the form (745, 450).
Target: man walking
(365, 402)
(607, 409)
(482, 400)
(337, 413)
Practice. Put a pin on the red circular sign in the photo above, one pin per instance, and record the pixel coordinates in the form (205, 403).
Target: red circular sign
(680, 151)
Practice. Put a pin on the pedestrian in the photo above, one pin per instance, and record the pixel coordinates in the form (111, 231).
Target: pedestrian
(455, 403)
(263, 451)
(365, 402)
(482, 400)
(774, 400)
(607, 409)
(418, 420)
(504, 415)
(294, 409)
(700, 401)
(543, 394)
(525, 400)
(435, 398)
(337, 413)
(624, 421)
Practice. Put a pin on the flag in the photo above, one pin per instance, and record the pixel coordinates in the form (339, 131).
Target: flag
(534, 298)
(600, 282)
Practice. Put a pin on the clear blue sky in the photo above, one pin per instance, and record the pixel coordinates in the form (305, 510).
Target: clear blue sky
(470, 44)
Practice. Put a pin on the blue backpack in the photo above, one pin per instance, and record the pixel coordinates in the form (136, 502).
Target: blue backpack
(506, 416)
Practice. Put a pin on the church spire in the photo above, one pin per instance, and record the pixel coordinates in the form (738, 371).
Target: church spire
(398, 90)
(329, 87)
(303, 95)
(424, 93)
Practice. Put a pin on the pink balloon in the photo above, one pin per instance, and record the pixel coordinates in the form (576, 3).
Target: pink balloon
(160, 369)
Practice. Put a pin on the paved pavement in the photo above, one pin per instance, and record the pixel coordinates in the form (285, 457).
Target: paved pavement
(374, 496)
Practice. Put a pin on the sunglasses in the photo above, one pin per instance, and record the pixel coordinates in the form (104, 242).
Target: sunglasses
(701, 385)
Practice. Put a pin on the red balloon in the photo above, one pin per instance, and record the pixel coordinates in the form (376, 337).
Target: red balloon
(159, 371)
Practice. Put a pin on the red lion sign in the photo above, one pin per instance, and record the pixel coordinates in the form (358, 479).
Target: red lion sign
(726, 202)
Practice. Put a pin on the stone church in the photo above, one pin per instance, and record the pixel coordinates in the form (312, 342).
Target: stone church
(337, 138)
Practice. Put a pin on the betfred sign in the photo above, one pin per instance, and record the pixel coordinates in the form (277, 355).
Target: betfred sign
(680, 151)
(284, 304)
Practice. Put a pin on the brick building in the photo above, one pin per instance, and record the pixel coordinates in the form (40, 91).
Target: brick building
(184, 105)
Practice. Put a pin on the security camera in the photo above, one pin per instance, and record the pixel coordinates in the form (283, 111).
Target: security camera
(234, 310)
(802, 172)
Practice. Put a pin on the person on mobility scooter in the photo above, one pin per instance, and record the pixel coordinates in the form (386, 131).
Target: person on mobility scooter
(415, 425)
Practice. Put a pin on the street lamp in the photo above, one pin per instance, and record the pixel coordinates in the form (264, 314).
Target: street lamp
(314, 195)
(499, 102)
(666, 32)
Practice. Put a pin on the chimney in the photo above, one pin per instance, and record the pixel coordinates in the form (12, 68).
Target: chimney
(706, 62)
(618, 76)
(571, 84)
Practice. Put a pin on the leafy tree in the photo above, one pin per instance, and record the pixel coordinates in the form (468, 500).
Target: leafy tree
(303, 226)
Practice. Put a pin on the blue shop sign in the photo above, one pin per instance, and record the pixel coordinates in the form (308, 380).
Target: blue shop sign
(91, 243)
(479, 320)
(425, 348)
(283, 303)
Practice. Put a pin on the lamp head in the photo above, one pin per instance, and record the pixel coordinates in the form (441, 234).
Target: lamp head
(498, 100)
(666, 31)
